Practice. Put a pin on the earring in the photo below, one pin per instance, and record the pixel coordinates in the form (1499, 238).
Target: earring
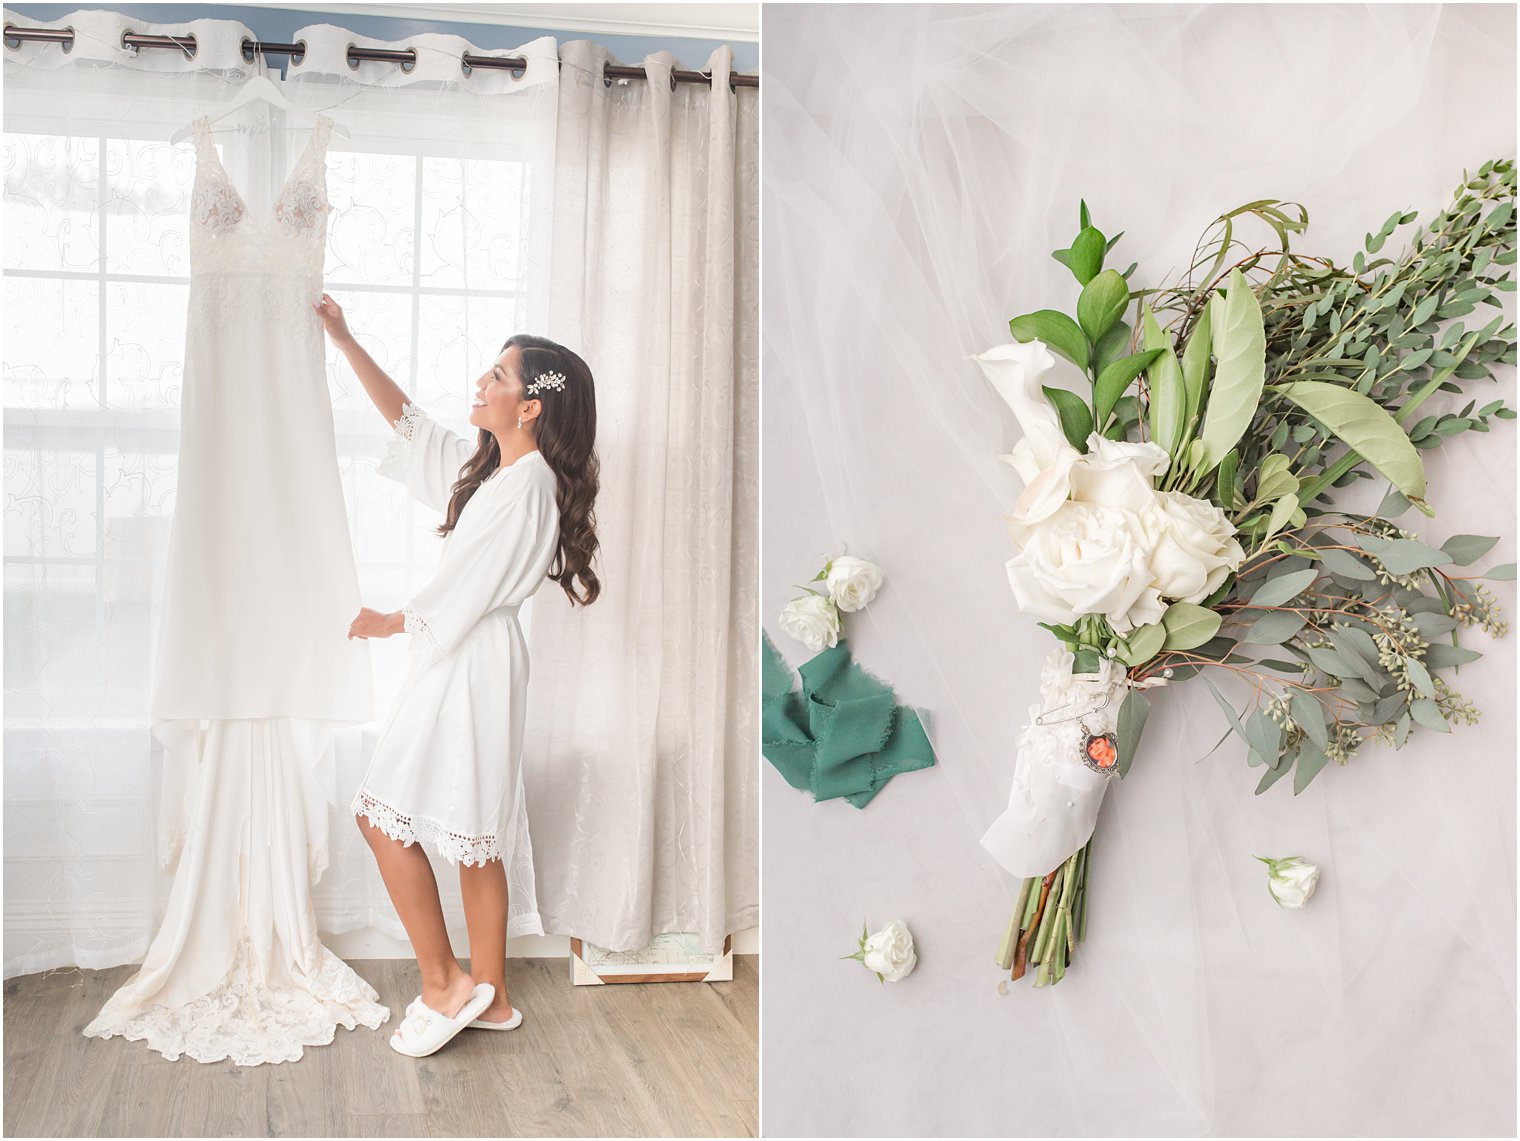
(519, 423)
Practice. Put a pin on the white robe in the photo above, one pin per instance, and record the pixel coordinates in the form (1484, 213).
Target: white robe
(447, 768)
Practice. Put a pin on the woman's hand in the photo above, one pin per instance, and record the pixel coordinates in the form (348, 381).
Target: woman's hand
(373, 624)
(333, 320)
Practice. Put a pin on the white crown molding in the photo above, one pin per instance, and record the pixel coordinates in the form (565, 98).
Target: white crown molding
(737, 23)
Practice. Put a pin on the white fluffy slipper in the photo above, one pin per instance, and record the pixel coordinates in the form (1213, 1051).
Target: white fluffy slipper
(510, 1024)
(425, 1031)
(481, 1024)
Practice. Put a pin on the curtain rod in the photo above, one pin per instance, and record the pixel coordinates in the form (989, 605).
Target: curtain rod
(253, 48)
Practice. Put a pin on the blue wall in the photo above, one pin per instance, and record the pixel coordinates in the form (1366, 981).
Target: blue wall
(280, 24)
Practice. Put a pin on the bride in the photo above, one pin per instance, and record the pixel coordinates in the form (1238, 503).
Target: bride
(517, 506)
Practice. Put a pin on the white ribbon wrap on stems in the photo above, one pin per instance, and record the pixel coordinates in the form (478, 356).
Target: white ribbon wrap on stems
(1054, 803)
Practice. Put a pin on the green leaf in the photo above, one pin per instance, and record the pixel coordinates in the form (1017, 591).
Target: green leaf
(1428, 714)
(1394, 504)
(1310, 762)
(1504, 572)
(1420, 678)
(1284, 511)
(1346, 565)
(1143, 643)
(1188, 625)
(1085, 661)
(1265, 736)
(1274, 628)
(1132, 716)
(1224, 485)
(1310, 716)
(1115, 378)
(1076, 417)
(1086, 256)
(1195, 366)
(1405, 556)
(1284, 587)
(1273, 479)
(1465, 549)
(1229, 711)
(1366, 428)
(1272, 776)
(1057, 330)
(1439, 655)
(1102, 302)
(1111, 347)
(1167, 398)
(1240, 344)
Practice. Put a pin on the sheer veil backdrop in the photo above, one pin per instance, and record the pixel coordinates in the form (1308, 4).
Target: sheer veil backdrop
(921, 163)
(445, 235)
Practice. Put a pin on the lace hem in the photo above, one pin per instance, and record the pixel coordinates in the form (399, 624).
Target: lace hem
(453, 846)
(249, 1018)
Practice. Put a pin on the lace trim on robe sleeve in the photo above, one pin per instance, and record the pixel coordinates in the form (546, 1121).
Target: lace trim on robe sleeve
(393, 463)
(414, 623)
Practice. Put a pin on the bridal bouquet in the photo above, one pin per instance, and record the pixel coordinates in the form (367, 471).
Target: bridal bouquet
(1177, 517)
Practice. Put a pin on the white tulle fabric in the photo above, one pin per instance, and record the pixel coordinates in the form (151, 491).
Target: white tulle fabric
(921, 163)
(254, 669)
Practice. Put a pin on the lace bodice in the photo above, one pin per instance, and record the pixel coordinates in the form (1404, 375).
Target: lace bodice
(226, 236)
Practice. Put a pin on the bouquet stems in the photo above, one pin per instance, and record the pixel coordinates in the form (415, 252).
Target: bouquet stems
(1048, 922)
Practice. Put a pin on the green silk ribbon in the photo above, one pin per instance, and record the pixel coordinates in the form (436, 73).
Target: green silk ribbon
(843, 734)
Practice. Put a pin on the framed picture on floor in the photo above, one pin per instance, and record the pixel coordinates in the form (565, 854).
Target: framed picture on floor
(674, 958)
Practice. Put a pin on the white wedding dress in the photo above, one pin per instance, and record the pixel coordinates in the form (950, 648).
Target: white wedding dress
(254, 666)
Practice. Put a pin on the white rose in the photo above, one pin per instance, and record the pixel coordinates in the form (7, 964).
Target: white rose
(889, 952)
(1115, 473)
(812, 620)
(1193, 549)
(1086, 559)
(1043, 457)
(852, 582)
(1291, 880)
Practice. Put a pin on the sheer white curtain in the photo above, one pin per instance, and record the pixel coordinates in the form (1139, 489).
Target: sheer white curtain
(921, 163)
(438, 247)
(642, 719)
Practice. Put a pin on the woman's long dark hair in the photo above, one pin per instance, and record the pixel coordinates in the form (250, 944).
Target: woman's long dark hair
(566, 435)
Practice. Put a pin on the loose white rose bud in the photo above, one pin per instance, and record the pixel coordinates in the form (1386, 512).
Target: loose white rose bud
(812, 620)
(1291, 880)
(853, 582)
(889, 952)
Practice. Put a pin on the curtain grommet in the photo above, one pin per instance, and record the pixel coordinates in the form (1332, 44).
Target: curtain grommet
(249, 50)
(348, 58)
(606, 79)
(672, 81)
(126, 47)
(409, 66)
(297, 57)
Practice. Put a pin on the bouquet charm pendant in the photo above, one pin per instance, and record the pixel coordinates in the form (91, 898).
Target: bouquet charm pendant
(1098, 751)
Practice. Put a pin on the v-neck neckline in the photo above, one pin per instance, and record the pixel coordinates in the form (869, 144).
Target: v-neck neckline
(204, 122)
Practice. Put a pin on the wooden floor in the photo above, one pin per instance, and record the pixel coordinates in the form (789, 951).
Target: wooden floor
(664, 1059)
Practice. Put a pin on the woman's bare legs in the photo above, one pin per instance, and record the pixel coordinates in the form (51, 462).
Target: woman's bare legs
(414, 892)
(484, 888)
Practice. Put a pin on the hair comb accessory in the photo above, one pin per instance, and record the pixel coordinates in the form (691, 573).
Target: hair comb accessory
(554, 380)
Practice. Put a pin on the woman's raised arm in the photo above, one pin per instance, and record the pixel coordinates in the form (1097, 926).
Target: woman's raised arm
(385, 392)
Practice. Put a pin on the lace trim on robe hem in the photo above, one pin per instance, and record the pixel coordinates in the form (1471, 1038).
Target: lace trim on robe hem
(398, 449)
(453, 846)
(414, 623)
